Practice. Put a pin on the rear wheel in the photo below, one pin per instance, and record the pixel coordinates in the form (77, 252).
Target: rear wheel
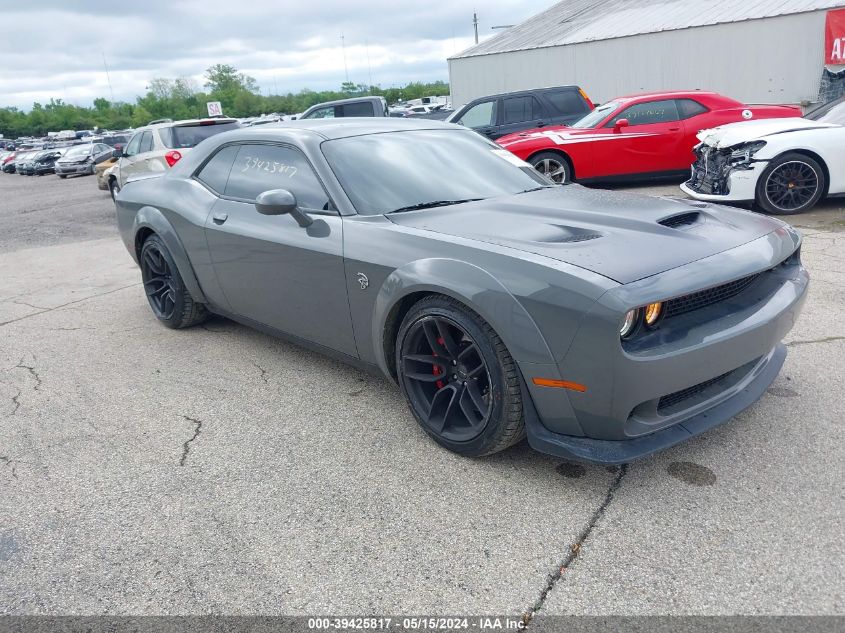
(792, 183)
(461, 383)
(553, 166)
(62, 176)
(169, 300)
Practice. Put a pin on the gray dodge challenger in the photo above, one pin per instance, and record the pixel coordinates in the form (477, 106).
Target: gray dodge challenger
(603, 326)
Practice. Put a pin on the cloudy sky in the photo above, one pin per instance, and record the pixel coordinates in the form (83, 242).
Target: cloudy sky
(55, 48)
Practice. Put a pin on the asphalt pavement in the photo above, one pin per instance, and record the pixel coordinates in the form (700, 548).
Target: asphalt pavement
(217, 470)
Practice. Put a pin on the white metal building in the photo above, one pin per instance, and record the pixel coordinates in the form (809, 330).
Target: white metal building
(757, 51)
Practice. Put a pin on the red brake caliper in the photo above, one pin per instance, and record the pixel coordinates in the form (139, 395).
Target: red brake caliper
(436, 368)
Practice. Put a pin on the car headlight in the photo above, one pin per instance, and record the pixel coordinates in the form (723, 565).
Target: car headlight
(630, 323)
(652, 314)
(744, 153)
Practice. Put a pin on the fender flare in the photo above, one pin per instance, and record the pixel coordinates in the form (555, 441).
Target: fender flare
(472, 286)
(150, 219)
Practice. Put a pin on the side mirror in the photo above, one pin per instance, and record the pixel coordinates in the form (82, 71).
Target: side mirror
(281, 202)
(617, 127)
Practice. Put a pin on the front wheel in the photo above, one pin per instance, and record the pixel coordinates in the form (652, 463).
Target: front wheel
(792, 183)
(169, 300)
(460, 382)
(113, 187)
(553, 166)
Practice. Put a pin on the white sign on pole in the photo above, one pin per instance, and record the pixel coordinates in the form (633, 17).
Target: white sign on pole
(214, 108)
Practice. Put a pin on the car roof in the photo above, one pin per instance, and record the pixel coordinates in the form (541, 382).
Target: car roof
(669, 94)
(516, 93)
(339, 128)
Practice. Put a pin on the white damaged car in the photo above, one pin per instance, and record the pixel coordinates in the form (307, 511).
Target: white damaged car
(784, 165)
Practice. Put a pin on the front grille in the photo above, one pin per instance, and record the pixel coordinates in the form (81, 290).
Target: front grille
(704, 298)
(684, 394)
(710, 171)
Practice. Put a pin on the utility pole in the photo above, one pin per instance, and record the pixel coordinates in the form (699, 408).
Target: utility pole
(475, 25)
(343, 46)
(108, 78)
(369, 66)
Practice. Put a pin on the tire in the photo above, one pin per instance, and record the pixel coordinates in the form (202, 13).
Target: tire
(475, 411)
(113, 187)
(62, 176)
(169, 300)
(552, 165)
(791, 183)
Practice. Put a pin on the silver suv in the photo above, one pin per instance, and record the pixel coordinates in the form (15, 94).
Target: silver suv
(160, 145)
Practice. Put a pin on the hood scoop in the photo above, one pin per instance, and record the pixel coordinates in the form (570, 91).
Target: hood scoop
(681, 220)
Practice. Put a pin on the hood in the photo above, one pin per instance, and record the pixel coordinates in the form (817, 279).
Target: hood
(747, 131)
(617, 235)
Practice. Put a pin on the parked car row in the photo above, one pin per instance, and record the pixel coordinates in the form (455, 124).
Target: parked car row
(762, 154)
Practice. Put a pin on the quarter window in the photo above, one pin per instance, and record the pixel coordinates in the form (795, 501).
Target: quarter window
(481, 115)
(215, 173)
(567, 102)
(260, 168)
(648, 113)
(688, 108)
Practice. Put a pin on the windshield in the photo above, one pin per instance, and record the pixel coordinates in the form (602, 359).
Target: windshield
(399, 170)
(831, 112)
(78, 150)
(595, 117)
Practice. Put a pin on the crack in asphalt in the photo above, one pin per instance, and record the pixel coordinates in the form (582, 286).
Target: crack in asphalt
(69, 303)
(29, 305)
(32, 372)
(263, 372)
(11, 463)
(186, 446)
(575, 548)
(826, 339)
(17, 402)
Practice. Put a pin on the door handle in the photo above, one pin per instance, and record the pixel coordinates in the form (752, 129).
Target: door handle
(220, 218)
(674, 129)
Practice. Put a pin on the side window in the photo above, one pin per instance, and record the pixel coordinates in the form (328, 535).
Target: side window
(688, 108)
(146, 142)
(215, 173)
(134, 144)
(481, 115)
(364, 108)
(647, 113)
(567, 102)
(260, 168)
(521, 109)
(322, 113)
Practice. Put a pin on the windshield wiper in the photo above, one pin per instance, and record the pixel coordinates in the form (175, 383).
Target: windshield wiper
(435, 203)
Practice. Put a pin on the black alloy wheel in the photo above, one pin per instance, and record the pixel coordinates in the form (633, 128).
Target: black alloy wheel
(461, 383)
(167, 295)
(791, 183)
(158, 282)
(447, 378)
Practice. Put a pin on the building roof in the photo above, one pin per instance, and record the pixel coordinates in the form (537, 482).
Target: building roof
(575, 21)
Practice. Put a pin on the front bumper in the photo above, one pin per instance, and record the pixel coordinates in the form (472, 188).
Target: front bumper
(612, 452)
(71, 169)
(699, 369)
(715, 182)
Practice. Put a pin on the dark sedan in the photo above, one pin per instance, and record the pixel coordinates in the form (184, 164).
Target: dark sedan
(603, 326)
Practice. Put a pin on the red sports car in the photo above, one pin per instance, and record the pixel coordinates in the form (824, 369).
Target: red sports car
(645, 135)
